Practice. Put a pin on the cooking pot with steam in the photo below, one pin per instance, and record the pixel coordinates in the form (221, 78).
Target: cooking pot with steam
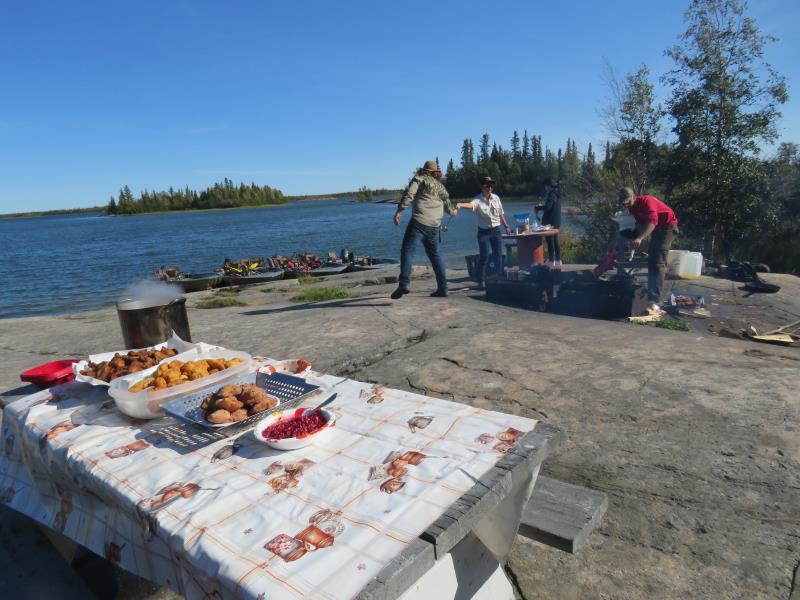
(150, 322)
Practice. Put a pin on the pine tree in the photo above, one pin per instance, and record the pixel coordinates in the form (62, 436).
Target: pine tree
(526, 147)
(516, 153)
(467, 154)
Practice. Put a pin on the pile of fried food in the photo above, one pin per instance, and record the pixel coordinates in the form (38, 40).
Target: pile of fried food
(177, 372)
(233, 403)
(125, 364)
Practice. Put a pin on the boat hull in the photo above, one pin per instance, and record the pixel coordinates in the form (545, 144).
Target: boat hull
(198, 284)
(271, 275)
(383, 263)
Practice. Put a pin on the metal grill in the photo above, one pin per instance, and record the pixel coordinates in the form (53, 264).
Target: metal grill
(196, 432)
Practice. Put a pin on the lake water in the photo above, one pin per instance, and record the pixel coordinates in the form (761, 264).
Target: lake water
(65, 264)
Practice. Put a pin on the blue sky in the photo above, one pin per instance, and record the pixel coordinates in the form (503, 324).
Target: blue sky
(311, 97)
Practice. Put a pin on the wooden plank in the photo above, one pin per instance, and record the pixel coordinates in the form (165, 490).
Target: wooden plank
(562, 515)
(492, 488)
(396, 577)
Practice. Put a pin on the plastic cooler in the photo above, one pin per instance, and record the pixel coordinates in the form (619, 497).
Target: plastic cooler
(472, 265)
(147, 403)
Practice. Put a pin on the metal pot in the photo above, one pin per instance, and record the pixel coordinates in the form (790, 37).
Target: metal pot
(148, 322)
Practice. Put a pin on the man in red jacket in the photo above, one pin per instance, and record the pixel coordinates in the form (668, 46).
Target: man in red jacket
(656, 219)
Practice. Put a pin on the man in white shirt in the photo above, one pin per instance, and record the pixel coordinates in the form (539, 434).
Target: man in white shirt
(489, 211)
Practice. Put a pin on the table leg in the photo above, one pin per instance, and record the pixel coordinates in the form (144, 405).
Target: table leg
(530, 251)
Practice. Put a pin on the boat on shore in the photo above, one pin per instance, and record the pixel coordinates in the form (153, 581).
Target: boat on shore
(329, 269)
(189, 282)
(248, 271)
(254, 277)
(367, 263)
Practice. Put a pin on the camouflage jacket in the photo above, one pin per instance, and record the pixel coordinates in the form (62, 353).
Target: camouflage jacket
(429, 200)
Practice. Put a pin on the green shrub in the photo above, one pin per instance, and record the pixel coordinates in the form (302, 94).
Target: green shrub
(575, 249)
(321, 294)
(307, 279)
(673, 324)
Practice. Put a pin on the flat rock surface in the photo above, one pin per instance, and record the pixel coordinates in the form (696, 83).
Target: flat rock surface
(694, 437)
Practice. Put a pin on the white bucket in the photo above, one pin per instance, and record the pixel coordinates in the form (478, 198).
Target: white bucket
(691, 265)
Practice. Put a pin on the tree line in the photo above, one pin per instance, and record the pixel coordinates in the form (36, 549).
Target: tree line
(518, 170)
(219, 195)
(732, 200)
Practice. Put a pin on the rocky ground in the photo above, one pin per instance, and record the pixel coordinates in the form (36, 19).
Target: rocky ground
(693, 436)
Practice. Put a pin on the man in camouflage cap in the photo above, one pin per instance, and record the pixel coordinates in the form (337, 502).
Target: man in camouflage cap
(428, 199)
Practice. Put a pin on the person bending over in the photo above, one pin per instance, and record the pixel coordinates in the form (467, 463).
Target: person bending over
(656, 219)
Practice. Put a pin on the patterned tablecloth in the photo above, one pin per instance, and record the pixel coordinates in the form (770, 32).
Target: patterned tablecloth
(237, 518)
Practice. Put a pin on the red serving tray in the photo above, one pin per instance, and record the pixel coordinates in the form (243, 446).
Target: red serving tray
(50, 374)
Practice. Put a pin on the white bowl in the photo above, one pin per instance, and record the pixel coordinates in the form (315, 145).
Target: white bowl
(292, 443)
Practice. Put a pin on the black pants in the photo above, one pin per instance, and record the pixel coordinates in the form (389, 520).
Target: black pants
(660, 243)
(553, 248)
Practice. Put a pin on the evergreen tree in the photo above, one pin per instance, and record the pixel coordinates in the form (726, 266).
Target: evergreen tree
(526, 147)
(516, 151)
(467, 154)
(483, 153)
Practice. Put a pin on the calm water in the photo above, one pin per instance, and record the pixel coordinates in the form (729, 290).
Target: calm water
(71, 263)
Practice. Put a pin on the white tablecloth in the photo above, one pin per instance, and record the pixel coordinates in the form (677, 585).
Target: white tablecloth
(240, 519)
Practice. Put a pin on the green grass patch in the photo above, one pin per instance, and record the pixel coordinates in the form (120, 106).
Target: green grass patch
(307, 279)
(220, 303)
(321, 294)
(227, 292)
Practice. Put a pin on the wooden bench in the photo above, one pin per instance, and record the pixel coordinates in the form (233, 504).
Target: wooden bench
(562, 515)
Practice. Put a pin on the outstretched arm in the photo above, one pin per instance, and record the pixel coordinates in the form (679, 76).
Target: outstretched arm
(408, 198)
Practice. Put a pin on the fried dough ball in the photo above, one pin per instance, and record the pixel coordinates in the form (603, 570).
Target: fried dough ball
(229, 403)
(219, 416)
(230, 390)
(238, 415)
(262, 405)
(252, 395)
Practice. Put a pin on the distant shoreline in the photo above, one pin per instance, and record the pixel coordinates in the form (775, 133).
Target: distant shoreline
(103, 210)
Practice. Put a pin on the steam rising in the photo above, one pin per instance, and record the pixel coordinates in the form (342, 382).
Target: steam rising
(151, 293)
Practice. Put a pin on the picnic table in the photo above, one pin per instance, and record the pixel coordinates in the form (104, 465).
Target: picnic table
(375, 509)
(529, 246)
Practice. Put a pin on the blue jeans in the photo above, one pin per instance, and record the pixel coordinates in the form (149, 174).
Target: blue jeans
(430, 241)
(488, 239)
